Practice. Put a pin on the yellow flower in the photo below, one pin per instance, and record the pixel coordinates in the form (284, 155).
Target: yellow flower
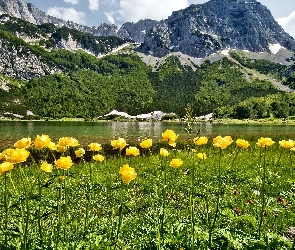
(17, 155)
(68, 141)
(265, 142)
(287, 144)
(170, 136)
(79, 152)
(41, 141)
(64, 162)
(222, 142)
(242, 143)
(61, 148)
(146, 143)
(46, 167)
(61, 178)
(98, 157)
(202, 156)
(164, 152)
(120, 143)
(23, 143)
(199, 141)
(5, 166)
(132, 151)
(176, 163)
(127, 173)
(95, 146)
(52, 146)
(5, 154)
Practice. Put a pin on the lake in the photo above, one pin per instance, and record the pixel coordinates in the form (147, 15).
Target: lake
(102, 132)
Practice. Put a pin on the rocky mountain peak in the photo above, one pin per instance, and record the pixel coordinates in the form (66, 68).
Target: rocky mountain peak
(203, 29)
(198, 30)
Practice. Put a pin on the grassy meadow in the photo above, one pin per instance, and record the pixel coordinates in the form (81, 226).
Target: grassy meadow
(204, 193)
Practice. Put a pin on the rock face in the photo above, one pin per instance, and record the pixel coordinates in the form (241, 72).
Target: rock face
(197, 31)
(203, 29)
(136, 31)
(21, 63)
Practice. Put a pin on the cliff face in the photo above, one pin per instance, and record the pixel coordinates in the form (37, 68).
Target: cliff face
(204, 29)
(19, 62)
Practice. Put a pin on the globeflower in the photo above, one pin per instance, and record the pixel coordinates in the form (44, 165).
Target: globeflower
(41, 141)
(242, 143)
(17, 155)
(23, 143)
(79, 152)
(95, 146)
(5, 166)
(4, 156)
(222, 142)
(46, 167)
(265, 142)
(287, 144)
(199, 141)
(170, 136)
(120, 143)
(52, 146)
(127, 173)
(64, 162)
(68, 141)
(202, 156)
(98, 157)
(61, 149)
(164, 152)
(176, 163)
(146, 143)
(132, 151)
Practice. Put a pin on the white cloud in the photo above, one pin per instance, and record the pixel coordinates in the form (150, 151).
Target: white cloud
(67, 14)
(71, 1)
(110, 17)
(134, 10)
(288, 23)
(93, 4)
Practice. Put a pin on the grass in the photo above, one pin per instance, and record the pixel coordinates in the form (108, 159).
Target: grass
(89, 207)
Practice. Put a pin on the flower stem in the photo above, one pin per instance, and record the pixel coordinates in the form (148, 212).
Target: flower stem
(217, 201)
(39, 210)
(6, 210)
(192, 208)
(262, 195)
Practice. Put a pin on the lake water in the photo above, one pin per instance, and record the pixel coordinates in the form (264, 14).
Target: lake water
(102, 132)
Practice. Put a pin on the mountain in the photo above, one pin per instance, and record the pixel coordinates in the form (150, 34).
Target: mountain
(204, 56)
(198, 30)
(203, 29)
(28, 12)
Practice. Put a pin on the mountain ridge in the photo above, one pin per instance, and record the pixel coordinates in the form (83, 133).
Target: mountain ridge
(198, 30)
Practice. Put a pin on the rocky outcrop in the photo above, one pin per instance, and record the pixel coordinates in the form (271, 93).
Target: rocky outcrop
(21, 63)
(203, 29)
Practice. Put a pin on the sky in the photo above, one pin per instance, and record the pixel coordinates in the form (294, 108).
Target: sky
(96, 12)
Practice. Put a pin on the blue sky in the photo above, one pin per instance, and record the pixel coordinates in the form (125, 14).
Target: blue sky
(95, 12)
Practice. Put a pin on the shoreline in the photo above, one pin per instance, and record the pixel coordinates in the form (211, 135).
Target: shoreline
(270, 121)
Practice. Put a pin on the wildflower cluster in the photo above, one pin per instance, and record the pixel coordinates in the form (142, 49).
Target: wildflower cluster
(201, 189)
